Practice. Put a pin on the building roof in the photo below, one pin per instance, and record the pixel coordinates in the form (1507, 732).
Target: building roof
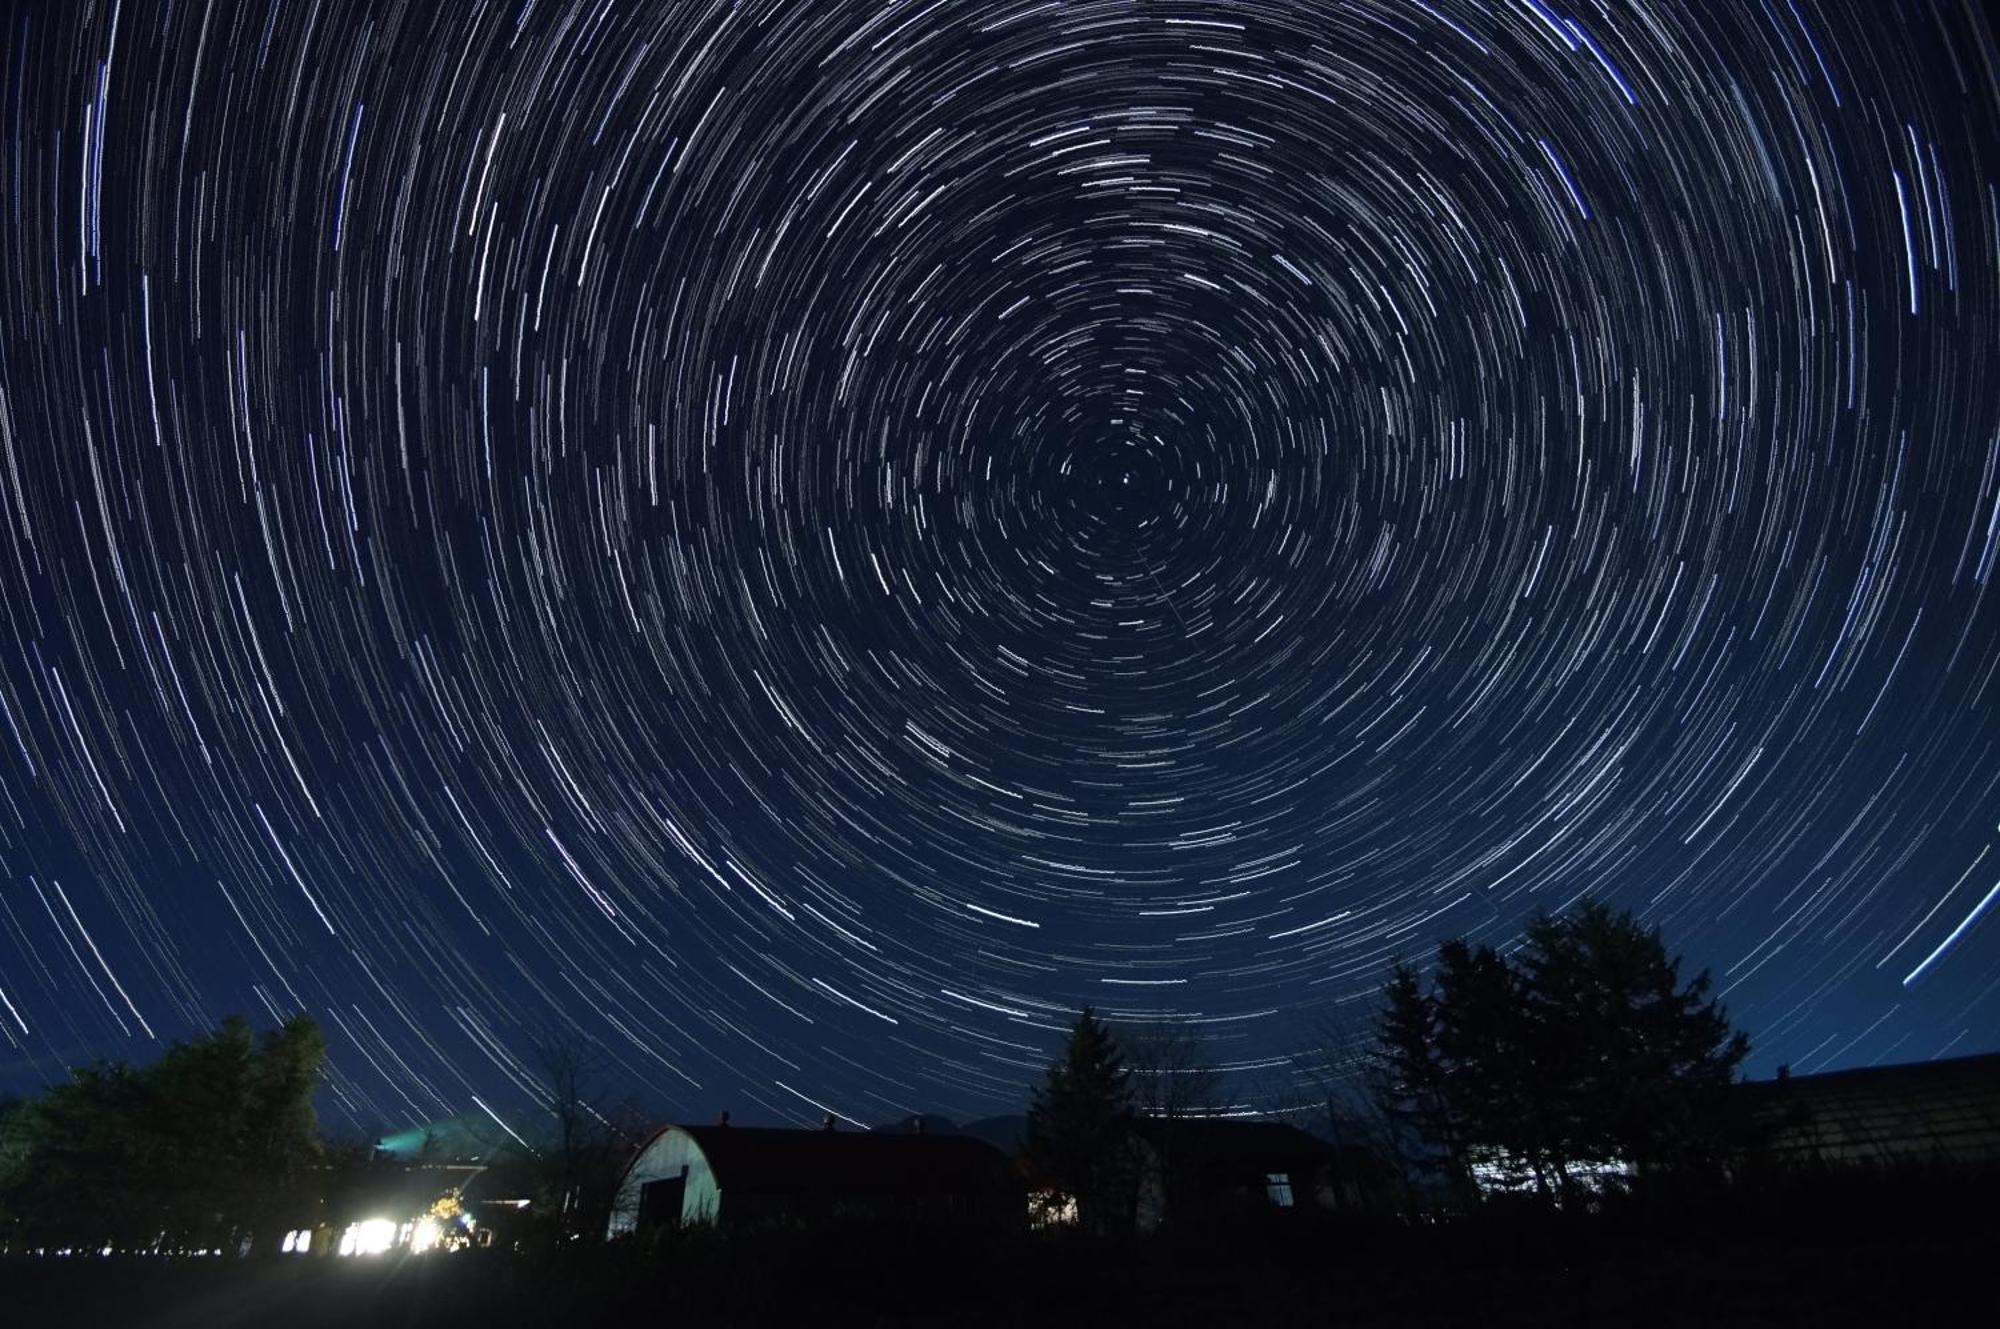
(1983, 1069)
(1228, 1140)
(1946, 1109)
(772, 1160)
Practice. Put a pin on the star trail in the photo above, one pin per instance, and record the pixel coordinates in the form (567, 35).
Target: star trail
(799, 543)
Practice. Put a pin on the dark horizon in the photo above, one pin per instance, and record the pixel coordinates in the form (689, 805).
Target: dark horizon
(798, 545)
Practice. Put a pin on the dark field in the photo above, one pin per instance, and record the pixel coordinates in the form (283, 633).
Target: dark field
(1911, 1267)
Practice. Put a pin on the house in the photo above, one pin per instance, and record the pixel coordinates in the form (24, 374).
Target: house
(1201, 1169)
(738, 1174)
(1917, 1112)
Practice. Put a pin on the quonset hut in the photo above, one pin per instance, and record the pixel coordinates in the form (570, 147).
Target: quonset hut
(736, 1174)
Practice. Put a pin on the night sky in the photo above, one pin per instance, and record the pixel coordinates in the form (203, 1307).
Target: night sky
(799, 543)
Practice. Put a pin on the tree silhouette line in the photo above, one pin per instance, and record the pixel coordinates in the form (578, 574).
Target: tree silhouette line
(1581, 1055)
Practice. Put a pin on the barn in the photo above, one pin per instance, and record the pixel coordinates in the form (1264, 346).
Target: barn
(1945, 1112)
(687, 1175)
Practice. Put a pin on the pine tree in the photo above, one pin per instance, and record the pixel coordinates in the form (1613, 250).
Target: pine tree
(1412, 1091)
(1635, 1060)
(1079, 1126)
(1585, 1048)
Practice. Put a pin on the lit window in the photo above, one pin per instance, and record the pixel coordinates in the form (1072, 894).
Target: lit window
(373, 1236)
(1278, 1187)
(1048, 1209)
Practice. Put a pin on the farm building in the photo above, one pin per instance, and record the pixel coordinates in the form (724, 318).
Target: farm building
(737, 1174)
(1917, 1112)
(1205, 1169)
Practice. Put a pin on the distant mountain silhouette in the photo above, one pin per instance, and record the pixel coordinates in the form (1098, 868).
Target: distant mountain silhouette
(929, 1122)
(1005, 1133)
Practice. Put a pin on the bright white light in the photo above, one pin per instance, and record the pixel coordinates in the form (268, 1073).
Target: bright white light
(1052, 1209)
(372, 1236)
(1496, 1173)
(425, 1235)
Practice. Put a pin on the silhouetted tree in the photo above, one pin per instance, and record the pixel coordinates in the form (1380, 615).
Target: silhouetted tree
(1079, 1127)
(1585, 1047)
(583, 1141)
(1412, 1091)
(280, 1155)
(1172, 1079)
(1638, 1062)
(1171, 1075)
(1340, 1092)
(211, 1146)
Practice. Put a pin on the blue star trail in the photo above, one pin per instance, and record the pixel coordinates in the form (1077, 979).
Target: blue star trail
(797, 544)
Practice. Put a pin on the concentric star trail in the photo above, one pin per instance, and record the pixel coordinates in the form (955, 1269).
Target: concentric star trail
(801, 542)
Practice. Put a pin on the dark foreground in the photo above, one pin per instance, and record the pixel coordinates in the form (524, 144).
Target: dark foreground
(1888, 1258)
(917, 1283)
